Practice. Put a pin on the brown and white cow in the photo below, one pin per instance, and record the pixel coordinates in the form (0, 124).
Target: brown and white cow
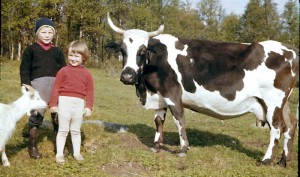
(223, 80)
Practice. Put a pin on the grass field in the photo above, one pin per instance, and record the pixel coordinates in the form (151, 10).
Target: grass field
(217, 148)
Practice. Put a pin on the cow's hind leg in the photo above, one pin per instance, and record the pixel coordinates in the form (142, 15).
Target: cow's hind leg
(159, 119)
(5, 161)
(275, 132)
(288, 135)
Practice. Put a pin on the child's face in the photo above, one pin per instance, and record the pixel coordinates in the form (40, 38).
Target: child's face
(45, 35)
(75, 59)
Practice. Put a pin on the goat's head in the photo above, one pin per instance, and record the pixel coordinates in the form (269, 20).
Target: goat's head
(33, 99)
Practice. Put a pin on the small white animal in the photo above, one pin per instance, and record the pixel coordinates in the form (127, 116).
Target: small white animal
(11, 113)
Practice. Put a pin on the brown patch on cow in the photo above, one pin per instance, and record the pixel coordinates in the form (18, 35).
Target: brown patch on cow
(283, 69)
(159, 122)
(217, 66)
(187, 80)
(252, 57)
(141, 91)
(179, 45)
(152, 82)
(288, 54)
(158, 75)
(165, 79)
(277, 121)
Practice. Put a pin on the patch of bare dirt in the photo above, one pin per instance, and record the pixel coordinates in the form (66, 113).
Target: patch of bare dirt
(124, 169)
(131, 141)
(256, 143)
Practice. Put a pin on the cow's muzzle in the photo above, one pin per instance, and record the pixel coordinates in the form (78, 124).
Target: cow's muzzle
(128, 76)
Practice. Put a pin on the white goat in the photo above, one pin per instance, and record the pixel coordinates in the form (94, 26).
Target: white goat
(10, 114)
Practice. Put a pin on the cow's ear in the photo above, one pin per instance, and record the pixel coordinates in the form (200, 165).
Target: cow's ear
(113, 47)
(157, 48)
(152, 42)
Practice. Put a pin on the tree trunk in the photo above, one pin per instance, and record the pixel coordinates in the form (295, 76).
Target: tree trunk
(1, 50)
(80, 33)
(19, 50)
(12, 51)
(56, 42)
(102, 49)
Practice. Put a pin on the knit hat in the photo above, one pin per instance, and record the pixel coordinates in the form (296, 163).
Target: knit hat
(44, 22)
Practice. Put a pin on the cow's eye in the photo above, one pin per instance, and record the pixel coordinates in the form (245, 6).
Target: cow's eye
(148, 56)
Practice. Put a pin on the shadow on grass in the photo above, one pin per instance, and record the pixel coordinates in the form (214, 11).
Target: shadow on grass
(196, 138)
(146, 135)
(45, 132)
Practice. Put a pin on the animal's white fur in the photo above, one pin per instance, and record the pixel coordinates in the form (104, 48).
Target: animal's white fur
(11, 113)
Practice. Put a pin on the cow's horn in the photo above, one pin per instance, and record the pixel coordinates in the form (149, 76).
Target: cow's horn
(116, 29)
(155, 33)
(28, 87)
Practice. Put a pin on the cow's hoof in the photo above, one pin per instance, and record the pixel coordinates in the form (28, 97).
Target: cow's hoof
(282, 163)
(266, 162)
(154, 150)
(181, 154)
(258, 163)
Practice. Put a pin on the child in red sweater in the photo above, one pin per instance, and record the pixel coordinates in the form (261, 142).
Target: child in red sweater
(73, 85)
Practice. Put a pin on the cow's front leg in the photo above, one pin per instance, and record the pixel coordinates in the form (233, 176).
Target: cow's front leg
(159, 119)
(5, 161)
(184, 143)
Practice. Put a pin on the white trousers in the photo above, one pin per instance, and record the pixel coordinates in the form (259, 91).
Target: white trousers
(70, 116)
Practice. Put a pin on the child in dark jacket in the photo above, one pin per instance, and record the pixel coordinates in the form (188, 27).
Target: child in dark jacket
(40, 63)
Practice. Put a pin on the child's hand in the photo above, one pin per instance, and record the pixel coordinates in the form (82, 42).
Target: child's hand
(87, 112)
(53, 109)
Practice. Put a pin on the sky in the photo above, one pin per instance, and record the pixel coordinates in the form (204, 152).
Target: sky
(238, 6)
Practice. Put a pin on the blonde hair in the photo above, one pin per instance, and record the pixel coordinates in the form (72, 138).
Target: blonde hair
(79, 47)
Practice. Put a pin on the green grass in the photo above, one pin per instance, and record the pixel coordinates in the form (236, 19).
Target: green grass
(217, 148)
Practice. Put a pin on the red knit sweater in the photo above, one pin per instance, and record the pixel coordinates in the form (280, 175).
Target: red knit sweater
(74, 82)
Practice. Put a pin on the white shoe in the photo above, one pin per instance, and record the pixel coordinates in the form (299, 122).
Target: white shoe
(60, 159)
(78, 157)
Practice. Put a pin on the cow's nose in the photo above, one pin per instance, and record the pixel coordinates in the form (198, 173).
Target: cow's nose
(128, 76)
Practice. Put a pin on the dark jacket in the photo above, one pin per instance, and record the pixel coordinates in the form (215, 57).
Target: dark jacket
(37, 62)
